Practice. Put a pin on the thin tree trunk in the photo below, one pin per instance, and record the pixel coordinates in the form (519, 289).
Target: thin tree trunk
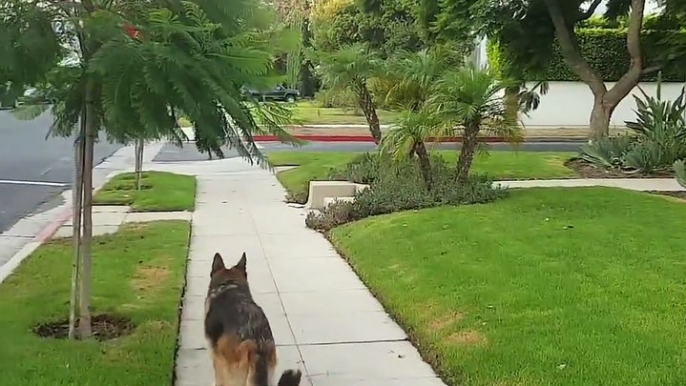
(85, 330)
(600, 118)
(367, 105)
(464, 161)
(77, 204)
(424, 164)
(140, 146)
(512, 101)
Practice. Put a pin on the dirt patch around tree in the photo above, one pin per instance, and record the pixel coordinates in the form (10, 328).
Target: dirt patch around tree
(587, 170)
(105, 327)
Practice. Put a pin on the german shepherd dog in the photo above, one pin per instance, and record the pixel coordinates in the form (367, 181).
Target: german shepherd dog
(240, 339)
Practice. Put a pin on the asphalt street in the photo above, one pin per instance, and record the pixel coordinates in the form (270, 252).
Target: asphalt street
(33, 169)
(172, 153)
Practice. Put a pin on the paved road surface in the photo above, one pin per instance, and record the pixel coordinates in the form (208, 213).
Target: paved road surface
(171, 153)
(34, 170)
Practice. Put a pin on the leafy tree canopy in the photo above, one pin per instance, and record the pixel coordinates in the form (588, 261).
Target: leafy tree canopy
(142, 63)
(524, 28)
(386, 25)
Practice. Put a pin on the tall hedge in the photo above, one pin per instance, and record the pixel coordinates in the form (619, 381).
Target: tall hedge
(605, 50)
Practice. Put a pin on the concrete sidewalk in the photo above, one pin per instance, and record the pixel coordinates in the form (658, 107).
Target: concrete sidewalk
(638, 184)
(325, 321)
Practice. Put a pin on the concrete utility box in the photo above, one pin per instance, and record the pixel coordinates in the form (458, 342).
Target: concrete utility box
(322, 193)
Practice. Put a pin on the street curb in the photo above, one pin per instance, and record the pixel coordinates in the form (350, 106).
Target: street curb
(50, 230)
(44, 235)
(369, 138)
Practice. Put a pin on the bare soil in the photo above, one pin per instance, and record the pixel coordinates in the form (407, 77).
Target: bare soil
(105, 327)
(587, 170)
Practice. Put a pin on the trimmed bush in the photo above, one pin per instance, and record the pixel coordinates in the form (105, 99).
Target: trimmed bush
(363, 169)
(605, 50)
(399, 186)
(326, 99)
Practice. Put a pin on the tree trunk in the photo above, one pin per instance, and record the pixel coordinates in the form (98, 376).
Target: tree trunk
(424, 164)
(600, 118)
(85, 330)
(367, 105)
(512, 101)
(605, 101)
(140, 146)
(77, 206)
(464, 161)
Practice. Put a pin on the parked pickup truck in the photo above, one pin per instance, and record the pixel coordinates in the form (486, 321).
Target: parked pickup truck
(278, 93)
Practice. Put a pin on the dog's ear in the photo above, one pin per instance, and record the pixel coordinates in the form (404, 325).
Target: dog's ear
(242, 263)
(217, 264)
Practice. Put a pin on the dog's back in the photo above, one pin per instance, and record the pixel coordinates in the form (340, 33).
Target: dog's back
(240, 338)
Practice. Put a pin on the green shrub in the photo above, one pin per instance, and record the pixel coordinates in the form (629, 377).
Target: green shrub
(344, 99)
(299, 196)
(337, 213)
(399, 186)
(363, 169)
(605, 51)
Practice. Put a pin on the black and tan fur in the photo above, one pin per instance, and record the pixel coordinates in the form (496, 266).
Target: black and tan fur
(237, 330)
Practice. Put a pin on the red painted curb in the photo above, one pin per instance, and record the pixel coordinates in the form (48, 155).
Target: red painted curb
(359, 138)
(50, 230)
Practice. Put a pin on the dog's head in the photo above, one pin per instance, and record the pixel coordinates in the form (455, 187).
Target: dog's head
(236, 274)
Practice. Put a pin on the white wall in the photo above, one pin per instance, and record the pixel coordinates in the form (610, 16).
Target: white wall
(569, 104)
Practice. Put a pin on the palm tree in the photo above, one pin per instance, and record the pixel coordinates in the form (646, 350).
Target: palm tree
(470, 100)
(414, 73)
(352, 68)
(408, 137)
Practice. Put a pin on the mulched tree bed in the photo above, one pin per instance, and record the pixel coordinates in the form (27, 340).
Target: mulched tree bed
(105, 327)
(587, 170)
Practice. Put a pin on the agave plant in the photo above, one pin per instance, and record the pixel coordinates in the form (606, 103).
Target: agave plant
(607, 152)
(657, 118)
(680, 169)
(660, 131)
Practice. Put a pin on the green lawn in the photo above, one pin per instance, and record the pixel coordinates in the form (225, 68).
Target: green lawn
(137, 273)
(559, 287)
(308, 113)
(502, 165)
(161, 192)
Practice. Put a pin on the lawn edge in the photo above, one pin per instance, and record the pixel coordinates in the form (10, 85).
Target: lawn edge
(182, 296)
(432, 358)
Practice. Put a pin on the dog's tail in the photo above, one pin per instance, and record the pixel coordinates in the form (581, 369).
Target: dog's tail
(290, 378)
